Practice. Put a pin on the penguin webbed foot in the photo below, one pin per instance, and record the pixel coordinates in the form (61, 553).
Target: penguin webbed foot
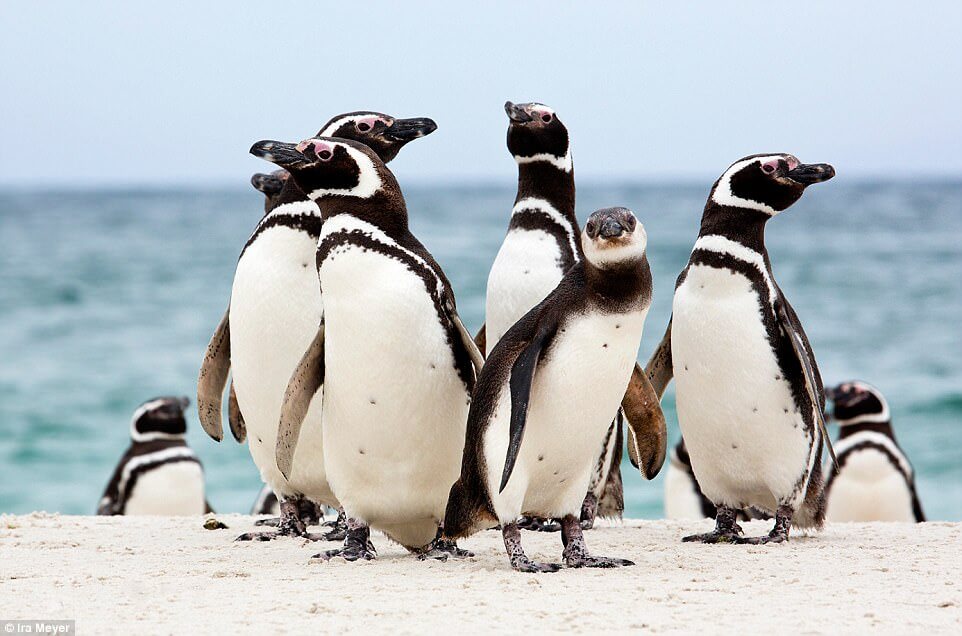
(338, 527)
(441, 548)
(357, 545)
(779, 533)
(519, 560)
(726, 529)
(270, 521)
(576, 553)
(538, 524)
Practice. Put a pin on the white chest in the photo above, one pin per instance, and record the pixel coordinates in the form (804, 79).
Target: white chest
(869, 487)
(526, 269)
(172, 489)
(744, 433)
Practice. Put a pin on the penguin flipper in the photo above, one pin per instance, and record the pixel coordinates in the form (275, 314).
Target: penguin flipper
(234, 417)
(522, 377)
(477, 359)
(481, 338)
(304, 383)
(213, 378)
(812, 385)
(659, 369)
(647, 431)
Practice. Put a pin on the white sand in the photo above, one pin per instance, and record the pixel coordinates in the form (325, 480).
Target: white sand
(172, 576)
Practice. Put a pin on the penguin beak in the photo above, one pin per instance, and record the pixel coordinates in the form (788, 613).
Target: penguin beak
(611, 228)
(280, 153)
(269, 184)
(516, 113)
(410, 129)
(809, 173)
(184, 402)
(832, 393)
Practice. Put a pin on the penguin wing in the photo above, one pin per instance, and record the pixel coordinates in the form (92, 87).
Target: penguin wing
(659, 369)
(481, 338)
(477, 359)
(213, 378)
(647, 431)
(304, 383)
(520, 381)
(792, 329)
(234, 416)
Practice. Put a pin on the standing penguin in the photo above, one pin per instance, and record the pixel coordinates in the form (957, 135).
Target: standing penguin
(544, 399)
(875, 480)
(748, 390)
(159, 474)
(540, 246)
(274, 311)
(396, 363)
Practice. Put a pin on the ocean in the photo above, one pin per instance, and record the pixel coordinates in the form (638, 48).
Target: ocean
(108, 298)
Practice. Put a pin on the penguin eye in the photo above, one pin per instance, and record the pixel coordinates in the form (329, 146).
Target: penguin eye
(363, 126)
(630, 223)
(769, 167)
(325, 155)
(590, 228)
(546, 118)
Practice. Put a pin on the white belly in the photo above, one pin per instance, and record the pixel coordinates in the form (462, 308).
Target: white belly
(395, 409)
(681, 495)
(869, 488)
(525, 271)
(174, 489)
(747, 442)
(576, 391)
(274, 314)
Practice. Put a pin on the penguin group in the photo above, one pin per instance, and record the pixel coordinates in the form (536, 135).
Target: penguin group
(357, 387)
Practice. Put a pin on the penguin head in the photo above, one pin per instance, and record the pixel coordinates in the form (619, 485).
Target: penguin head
(613, 237)
(325, 167)
(383, 134)
(159, 418)
(767, 183)
(270, 185)
(856, 402)
(535, 134)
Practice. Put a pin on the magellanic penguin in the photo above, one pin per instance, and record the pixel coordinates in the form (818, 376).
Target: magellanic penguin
(274, 311)
(159, 474)
(396, 363)
(748, 391)
(544, 399)
(540, 246)
(271, 185)
(875, 481)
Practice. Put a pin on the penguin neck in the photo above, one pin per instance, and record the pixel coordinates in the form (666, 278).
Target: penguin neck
(618, 285)
(385, 209)
(543, 180)
(742, 225)
(290, 193)
(885, 428)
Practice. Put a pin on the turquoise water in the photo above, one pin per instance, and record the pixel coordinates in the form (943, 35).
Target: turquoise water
(108, 298)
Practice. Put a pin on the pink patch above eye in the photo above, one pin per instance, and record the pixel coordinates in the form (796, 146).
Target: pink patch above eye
(770, 166)
(792, 162)
(320, 146)
(370, 121)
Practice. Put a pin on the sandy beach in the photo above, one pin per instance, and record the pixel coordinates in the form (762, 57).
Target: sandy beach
(170, 575)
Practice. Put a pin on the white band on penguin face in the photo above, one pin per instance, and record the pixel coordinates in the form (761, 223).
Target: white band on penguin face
(142, 410)
(614, 254)
(870, 418)
(723, 195)
(368, 183)
(331, 128)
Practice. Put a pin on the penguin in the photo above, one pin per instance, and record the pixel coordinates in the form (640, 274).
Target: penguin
(396, 363)
(159, 474)
(273, 314)
(875, 480)
(270, 185)
(543, 402)
(748, 390)
(266, 503)
(683, 497)
(540, 246)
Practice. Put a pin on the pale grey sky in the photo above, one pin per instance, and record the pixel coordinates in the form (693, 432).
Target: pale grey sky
(120, 93)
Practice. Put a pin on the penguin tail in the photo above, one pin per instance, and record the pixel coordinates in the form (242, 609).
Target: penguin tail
(467, 512)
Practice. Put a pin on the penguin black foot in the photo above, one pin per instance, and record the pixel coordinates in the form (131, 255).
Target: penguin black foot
(357, 544)
(589, 511)
(576, 553)
(519, 560)
(289, 524)
(539, 524)
(726, 529)
(270, 521)
(440, 549)
(338, 527)
(779, 534)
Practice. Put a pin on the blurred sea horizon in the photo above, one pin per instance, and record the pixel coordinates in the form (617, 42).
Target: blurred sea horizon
(108, 296)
